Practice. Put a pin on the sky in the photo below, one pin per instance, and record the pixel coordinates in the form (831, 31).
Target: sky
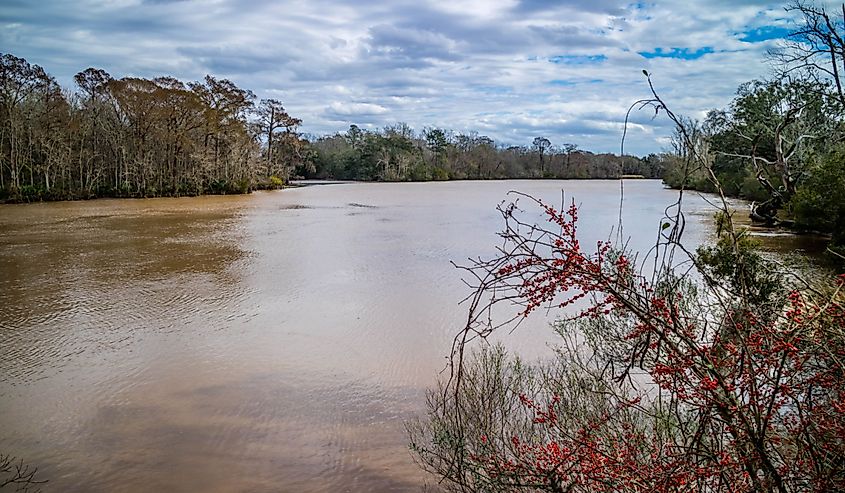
(509, 69)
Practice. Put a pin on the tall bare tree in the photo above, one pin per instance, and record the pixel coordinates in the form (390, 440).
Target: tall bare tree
(273, 117)
(816, 46)
(541, 145)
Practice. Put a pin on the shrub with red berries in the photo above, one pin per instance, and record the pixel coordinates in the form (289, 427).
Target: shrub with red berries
(690, 371)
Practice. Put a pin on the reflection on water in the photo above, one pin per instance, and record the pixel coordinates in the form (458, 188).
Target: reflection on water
(273, 342)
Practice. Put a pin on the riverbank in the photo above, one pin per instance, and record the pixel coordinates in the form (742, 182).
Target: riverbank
(800, 239)
(37, 195)
(31, 195)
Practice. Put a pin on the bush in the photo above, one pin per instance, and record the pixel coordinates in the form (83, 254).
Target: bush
(819, 203)
(440, 174)
(30, 193)
(661, 383)
(276, 182)
(241, 186)
(420, 172)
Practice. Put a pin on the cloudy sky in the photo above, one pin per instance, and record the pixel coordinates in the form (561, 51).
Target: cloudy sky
(509, 69)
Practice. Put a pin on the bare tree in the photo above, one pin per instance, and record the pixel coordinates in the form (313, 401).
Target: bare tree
(17, 476)
(541, 145)
(816, 46)
(569, 149)
(272, 117)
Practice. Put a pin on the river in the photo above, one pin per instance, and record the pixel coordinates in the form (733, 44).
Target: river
(270, 342)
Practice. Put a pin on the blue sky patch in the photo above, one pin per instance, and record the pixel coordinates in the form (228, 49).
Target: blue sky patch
(569, 83)
(495, 89)
(577, 59)
(680, 53)
(763, 33)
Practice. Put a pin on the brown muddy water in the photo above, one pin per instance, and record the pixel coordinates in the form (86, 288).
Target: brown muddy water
(270, 342)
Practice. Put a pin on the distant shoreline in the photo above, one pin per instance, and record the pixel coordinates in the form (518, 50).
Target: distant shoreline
(301, 183)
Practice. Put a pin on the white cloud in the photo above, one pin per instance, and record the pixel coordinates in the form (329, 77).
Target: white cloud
(354, 109)
(461, 64)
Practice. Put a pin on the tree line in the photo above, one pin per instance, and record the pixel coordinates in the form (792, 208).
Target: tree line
(398, 153)
(781, 141)
(139, 137)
